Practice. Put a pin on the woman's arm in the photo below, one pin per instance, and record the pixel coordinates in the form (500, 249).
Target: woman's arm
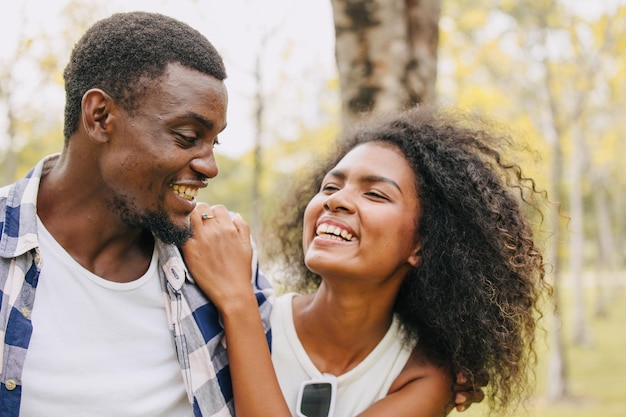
(422, 389)
(219, 257)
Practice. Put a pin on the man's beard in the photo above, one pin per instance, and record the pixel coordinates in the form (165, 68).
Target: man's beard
(157, 222)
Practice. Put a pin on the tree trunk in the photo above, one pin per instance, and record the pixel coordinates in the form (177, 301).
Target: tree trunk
(260, 104)
(582, 334)
(386, 52)
(605, 259)
(557, 365)
(558, 385)
(257, 177)
(557, 389)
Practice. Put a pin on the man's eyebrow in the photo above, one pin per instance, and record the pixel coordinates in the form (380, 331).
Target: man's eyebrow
(208, 124)
(366, 178)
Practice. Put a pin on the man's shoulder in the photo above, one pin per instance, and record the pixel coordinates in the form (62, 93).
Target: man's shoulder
(4, 193)
(18, 215)
(24, 190)
(17, 195)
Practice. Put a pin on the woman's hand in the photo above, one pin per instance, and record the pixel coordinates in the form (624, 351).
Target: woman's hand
(219, 254)
(219, 257)
(466, 392)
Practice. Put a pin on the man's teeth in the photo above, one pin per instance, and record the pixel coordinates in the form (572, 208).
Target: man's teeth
(333, 232)
(186, 192)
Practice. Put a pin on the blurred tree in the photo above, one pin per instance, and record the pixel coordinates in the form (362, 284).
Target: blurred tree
(30, 81)
(279, 105)
(386, 54)
(9, 161)
(232, 186)
(606, 150)
(23, 118)
(282, 161)
(558, 71)
(259, 110)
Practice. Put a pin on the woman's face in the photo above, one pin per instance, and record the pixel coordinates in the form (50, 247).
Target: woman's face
(362, 223)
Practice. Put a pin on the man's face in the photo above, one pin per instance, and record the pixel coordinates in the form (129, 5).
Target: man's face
(158, 158)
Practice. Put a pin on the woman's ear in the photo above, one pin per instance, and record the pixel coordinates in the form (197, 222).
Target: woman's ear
(416, 256)
(96, 114)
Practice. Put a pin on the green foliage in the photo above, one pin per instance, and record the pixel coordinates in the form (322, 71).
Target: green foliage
(548, 72)
(42, 139)
(232, 187)
(34, 138)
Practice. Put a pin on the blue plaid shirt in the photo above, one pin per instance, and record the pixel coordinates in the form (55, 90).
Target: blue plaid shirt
(194, 321)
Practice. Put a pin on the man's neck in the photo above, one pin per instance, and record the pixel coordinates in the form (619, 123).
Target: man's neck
(78, 218)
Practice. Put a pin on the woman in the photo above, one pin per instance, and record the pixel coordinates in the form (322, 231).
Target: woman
(420, 265)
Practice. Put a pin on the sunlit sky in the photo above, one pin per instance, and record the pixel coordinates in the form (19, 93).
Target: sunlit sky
(297, 59)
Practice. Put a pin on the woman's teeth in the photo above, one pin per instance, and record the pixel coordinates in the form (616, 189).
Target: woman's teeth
(333, 231)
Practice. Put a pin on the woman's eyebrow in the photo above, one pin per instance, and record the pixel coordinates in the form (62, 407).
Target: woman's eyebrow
(379, 178)
(368, 179)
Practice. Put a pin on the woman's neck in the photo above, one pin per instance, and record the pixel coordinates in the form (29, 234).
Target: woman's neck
(338, 329)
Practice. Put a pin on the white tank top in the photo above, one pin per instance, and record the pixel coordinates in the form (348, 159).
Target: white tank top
(99, 348)
(366, 383)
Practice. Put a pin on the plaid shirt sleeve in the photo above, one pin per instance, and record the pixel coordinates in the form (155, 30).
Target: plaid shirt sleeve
(199, 335)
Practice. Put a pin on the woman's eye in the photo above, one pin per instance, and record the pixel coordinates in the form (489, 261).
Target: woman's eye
(329, 187)
(377, 195)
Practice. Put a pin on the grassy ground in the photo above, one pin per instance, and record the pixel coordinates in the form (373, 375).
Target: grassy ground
(597, 373)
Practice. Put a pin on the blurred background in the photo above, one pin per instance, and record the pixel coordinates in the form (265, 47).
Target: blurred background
(554, 71)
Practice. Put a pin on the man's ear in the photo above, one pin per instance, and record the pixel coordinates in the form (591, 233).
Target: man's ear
(415, 259)
(96, 114)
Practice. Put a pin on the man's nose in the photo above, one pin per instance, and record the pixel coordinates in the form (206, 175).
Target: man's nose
(205, 165)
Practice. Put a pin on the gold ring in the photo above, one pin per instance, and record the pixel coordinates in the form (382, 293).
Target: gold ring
(207, 216)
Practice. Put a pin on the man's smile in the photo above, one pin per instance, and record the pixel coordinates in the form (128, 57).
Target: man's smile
(186, 192)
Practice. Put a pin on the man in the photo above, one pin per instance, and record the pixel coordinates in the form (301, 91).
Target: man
(99, 315)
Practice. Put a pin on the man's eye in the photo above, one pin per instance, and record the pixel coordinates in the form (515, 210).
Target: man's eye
(190, 139)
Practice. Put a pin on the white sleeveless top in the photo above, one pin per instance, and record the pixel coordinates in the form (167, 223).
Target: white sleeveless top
(99, 348)
(357, 389)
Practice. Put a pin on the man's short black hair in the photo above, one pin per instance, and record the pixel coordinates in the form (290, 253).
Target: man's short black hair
(118, 52)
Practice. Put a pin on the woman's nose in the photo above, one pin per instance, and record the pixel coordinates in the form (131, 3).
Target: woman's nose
(339, 200)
